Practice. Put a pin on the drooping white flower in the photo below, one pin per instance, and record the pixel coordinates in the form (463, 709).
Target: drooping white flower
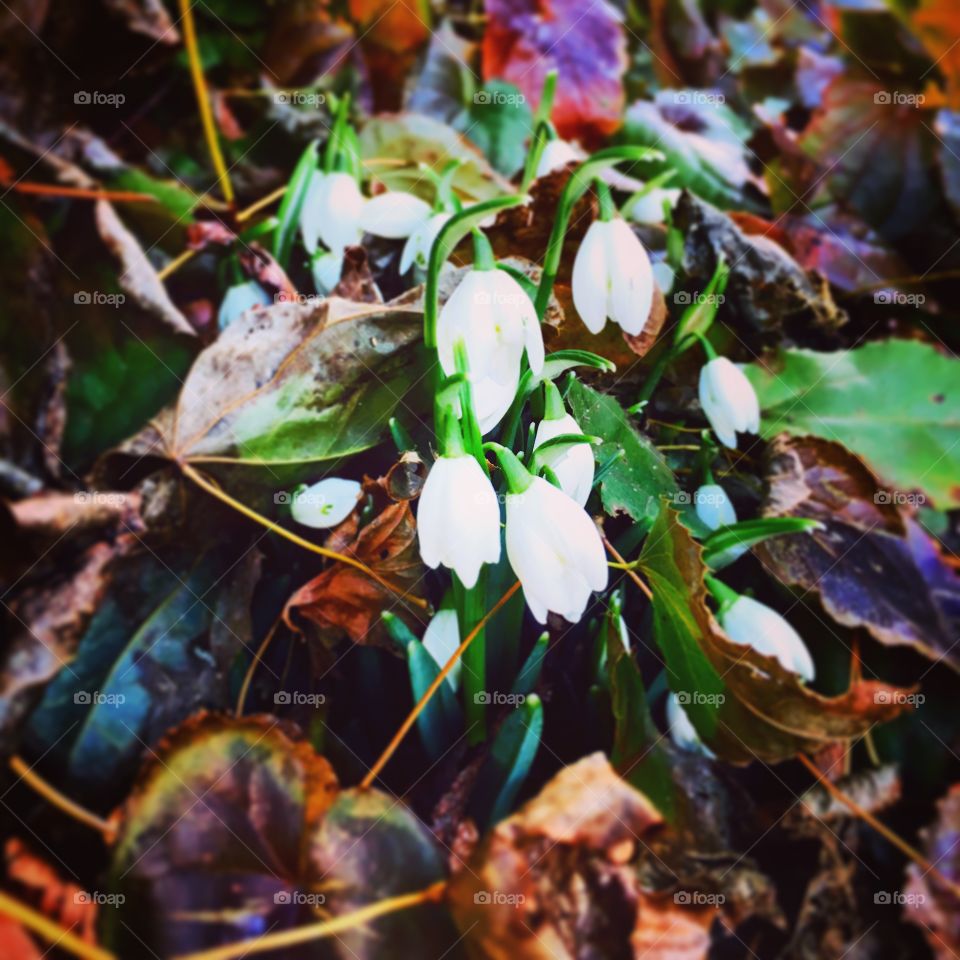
(556, 154)
(574, 466)
(728, 400)
(417, 248)
(394, 215)
(331, 212)
(612, 277)
(750, 622)
(496, 320)
(492, 400)
(555, 551)
(713, 506)
(441, 639)
(682, 731)
(239, 298)
(458, 520)
(649, 207)
(326, 503)
(326, 269)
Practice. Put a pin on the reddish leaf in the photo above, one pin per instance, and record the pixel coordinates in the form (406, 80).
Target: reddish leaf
(584, 43)
(937, 25)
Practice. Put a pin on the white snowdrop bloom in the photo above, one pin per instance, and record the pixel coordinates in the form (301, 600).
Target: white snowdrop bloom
(394, 215)
(331, 212)
(492, 400)
(728, 400)
(555, 550)
(682, 731)
(556, 154)
(240, 298)
(326, 269)
(441, 639)
(713, 506)
(458, 520)
(417, 248)
(574, 466)
(612, 277)
(649, 207)
(664, 275)
(326, 503)
(496, 320)
(750, 622)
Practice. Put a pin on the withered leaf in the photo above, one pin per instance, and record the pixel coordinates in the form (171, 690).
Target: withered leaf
(872, 565)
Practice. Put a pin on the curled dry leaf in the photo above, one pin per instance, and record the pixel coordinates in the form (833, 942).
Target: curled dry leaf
(344, 599)
(752, 707)
(872, 564)
(139, 279)
(50, 516)
(558, 879)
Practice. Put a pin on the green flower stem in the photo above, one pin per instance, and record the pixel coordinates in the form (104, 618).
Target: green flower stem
(454, 230)
(332, 157)
(576, 187)
(608, 209)
(543, 129)
(483, 258)
(553, 408)
(667, 356)
(724, 595)
(517, 476)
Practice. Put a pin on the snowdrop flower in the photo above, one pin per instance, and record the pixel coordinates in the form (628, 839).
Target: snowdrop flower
(441, 639)
(713, 506)
(458, 520)
(728, 400)
(417, 248)
(332, 212)
(326, 269)
(649, 207)
(574, 466)
(612, 277)
(682, 731)
(492, 314)
(492, 400)
(553, 546)
(240, 298)
(326, 503)
(754, 624)
(394, 215)
(556, 155)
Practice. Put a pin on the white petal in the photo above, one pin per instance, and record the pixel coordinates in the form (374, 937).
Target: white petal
(441, 639)
(649, 208)
(510, 296)
(682, 731)
(417, 248)
(240, 298)
(575, 466)
(753, 623)
(311, 213)
(713, 401)
(468, 315)
(631, 277)
(713, 506)
(556, 154)
(492, 400)
(394, 215)
(326, 269)
(339, 209)
(325, 504)
(590, 279)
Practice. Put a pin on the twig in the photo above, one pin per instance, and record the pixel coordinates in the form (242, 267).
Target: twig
(43, 926)
(374, 771)
(61, 802)
(248, 677)
(203, 100)
(82, 193)
(905, 848)
(215, 491)
(325, 928)
(628, 569)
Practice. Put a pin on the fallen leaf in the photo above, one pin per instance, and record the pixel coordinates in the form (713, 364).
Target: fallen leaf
(743, 704)
(927, 902)
(343, 599)
(936, 24)
(872, 565)
(907, 436)
(147, 17)
(139, 278)
(587, 46)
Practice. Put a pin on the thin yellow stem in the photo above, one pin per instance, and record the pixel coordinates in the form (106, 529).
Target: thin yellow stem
(374, 771)
(203, 100)
(251, 514)
(905, 848)
(248, 678)
(325, 928)
(255, 208)
(627, 568)
(176, 263)
(51, 932)
(61, 802)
